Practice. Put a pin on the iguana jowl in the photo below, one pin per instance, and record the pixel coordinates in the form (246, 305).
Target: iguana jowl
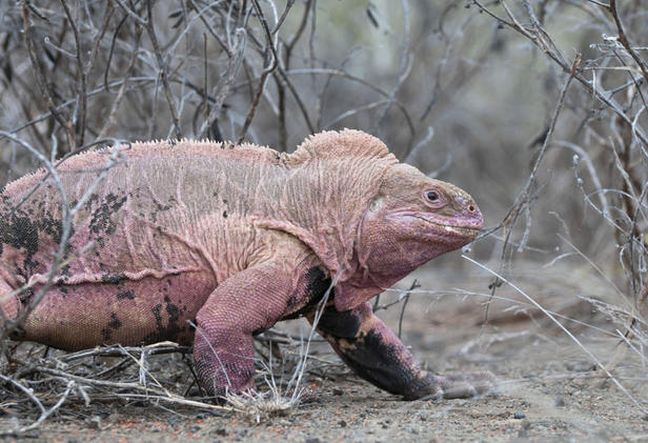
(233, 239)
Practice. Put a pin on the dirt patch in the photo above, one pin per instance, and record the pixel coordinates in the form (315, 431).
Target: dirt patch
(549, 388)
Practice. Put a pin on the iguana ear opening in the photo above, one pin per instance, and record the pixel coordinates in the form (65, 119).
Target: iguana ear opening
(334, 144)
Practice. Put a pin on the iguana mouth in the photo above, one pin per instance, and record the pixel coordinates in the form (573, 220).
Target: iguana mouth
(463, 231)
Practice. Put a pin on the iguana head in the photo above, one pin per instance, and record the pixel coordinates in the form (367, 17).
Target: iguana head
(370, 219)
(411, 220)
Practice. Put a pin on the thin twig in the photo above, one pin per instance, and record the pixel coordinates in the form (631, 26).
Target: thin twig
(272, 65)
(565, 330)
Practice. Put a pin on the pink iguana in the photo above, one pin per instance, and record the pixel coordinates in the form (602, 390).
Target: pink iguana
(234, 239)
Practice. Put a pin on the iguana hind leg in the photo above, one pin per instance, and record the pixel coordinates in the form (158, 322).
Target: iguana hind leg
(376, 354)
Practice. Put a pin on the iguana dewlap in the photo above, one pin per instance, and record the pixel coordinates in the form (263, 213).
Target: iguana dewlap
(233, 240)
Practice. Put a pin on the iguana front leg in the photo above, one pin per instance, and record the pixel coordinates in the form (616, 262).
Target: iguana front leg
(246, 303)
(376, 354)
(9, 304)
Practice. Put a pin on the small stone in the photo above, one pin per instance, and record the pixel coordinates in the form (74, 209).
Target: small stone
(342, 424)
(560, 401)
(519, 415)
(338, 391)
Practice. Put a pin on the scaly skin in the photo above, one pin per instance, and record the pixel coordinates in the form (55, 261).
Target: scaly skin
(233, 239)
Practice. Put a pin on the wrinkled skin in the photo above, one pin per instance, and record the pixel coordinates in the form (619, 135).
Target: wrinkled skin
(234, 240)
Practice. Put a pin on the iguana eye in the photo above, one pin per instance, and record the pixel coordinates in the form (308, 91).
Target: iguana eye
(432, 196)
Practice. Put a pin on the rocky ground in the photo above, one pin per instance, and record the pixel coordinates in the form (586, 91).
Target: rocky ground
(550, 389)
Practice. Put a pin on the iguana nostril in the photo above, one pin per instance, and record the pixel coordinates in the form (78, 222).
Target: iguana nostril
(471, 208)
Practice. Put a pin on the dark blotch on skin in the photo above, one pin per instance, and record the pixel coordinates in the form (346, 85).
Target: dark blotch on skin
(65, 271)
(94, 198)
(18, 231)
(157, 313)
(159, 207)
(172, 328)
(171, 331)
(114, 324)
(339, 324)
(113, 279)
(125, 295)
(155, 335)
(292, 301)
(317, 283)
(25, 295)
(101, 221)
(378, 362)
(53, 228)
(172, 310)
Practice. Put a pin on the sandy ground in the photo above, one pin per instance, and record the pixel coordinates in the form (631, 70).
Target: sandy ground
(549, 388)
